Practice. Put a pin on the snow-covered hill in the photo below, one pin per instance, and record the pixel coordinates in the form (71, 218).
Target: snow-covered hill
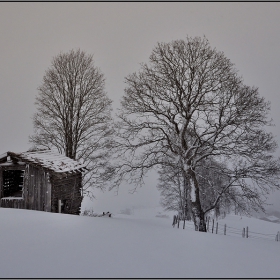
(142, 244)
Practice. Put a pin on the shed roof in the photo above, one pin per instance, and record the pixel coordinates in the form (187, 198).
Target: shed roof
(49, 159)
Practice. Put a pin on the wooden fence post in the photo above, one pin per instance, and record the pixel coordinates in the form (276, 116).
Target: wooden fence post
(213, 226)
(217, 228)
(59, 206)
(243, 232)
(247, 231)
(178, 221)
(225, 229)
(184, 222)
(174, 221)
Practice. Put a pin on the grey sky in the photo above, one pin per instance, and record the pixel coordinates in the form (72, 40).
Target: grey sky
(122, 35)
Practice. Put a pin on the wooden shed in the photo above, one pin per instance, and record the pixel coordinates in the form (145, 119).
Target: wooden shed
(41, 180)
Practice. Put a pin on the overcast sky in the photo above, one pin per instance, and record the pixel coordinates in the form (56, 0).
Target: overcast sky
(121, 36)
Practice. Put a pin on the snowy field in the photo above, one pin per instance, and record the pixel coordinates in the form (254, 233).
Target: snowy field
(141, 244)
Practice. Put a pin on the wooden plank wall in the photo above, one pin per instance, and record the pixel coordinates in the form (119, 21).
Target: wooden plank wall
(67, 189)
(12, 203)
(1, 182)
(37, 189)
(48, 193)
(42, 190)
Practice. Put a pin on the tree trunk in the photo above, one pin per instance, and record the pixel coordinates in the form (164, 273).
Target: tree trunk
(187, 202)
(198, 217)
(197, 212)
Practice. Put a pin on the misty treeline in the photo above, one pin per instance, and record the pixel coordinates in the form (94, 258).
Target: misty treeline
(186, 113)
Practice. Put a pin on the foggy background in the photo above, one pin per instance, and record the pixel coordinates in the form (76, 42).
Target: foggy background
(121, 36)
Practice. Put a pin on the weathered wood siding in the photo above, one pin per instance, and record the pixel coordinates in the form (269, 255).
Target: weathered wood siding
(12, 203)
(68, 190)
(37, 189)
(1, 184)
(43, 189)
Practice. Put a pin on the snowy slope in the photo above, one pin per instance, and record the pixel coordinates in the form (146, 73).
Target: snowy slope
(39, 244)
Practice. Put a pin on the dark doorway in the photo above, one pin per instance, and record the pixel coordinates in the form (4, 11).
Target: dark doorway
(12, 183)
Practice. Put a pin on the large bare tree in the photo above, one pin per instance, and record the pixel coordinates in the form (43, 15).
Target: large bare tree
(187, 105)
(73, 113)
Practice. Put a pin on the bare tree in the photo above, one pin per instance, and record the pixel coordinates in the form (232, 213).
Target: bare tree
(187, 105)
(213, 178)
(73, 113)
(174, 190)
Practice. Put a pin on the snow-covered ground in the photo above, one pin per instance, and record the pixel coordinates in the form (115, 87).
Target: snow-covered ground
(141, 244)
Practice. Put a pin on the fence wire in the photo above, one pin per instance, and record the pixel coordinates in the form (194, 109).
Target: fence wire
(230, 231)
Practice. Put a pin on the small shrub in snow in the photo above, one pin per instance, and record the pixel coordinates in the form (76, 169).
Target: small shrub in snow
(91, 213)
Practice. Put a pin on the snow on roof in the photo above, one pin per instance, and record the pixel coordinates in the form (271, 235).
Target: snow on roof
(3, 155)
(51, 160)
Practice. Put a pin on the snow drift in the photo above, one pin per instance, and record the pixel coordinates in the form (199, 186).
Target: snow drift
(39, 244)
